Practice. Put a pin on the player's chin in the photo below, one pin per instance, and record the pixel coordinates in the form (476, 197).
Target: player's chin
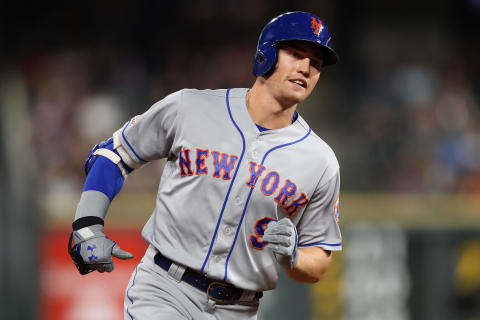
(299, 96)
(293, 96)
(291, 101)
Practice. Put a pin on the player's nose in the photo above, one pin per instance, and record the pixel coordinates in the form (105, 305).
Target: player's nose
(303, 66)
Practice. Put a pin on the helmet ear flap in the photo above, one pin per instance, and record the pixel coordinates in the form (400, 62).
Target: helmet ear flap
(264, 60)
(260, 57)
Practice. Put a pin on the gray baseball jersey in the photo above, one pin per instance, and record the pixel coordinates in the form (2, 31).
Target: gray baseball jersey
(225, 180)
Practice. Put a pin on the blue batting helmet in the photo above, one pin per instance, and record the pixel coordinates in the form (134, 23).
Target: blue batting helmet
(292, 26)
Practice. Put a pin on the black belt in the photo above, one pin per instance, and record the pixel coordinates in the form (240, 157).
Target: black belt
(216, 290)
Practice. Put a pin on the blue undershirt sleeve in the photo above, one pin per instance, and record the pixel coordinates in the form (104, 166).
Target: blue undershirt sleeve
(104, 176)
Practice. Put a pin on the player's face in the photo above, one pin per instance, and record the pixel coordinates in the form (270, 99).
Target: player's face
(297, 72)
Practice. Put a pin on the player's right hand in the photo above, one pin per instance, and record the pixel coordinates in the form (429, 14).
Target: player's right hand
(93, 250)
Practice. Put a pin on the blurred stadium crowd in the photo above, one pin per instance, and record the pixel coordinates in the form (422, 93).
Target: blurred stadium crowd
(401, 110)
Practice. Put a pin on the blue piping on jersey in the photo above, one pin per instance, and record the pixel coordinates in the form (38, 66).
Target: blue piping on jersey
(231, 183)
(250, 193)
(129, 145)
(296, 241)
(320, 244)
(261, 129)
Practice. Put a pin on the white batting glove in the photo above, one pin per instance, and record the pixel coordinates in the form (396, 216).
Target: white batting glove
(283, 241)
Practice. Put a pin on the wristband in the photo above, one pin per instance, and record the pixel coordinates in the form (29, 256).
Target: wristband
(86, 222)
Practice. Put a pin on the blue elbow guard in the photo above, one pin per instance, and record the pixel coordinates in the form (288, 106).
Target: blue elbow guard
(102, 174)
(91, 158)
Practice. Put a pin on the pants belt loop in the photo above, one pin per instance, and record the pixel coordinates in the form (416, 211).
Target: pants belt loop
(176, 271)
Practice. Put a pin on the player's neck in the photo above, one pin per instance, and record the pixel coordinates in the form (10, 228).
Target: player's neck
(266, 111)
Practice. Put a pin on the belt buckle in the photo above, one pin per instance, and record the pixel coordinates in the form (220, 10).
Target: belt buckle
(221, 285)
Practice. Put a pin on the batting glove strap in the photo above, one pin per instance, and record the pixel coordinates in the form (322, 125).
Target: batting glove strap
(77, 258)
(283, 241)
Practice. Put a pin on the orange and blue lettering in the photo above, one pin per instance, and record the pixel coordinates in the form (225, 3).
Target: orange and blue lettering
(292, 208)
(184, 163)
(336, 209)
(201, 168)
(259, 228)
(316, 26)
(286, 192)
(226, 163)
(254, 174)
(270, 183)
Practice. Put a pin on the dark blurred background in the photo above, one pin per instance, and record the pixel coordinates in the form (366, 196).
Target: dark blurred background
(401, 110)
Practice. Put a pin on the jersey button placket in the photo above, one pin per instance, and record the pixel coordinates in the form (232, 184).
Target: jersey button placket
(254, 155)
(238, 200)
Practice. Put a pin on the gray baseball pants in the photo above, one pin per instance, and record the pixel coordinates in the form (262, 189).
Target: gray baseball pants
(154, 294)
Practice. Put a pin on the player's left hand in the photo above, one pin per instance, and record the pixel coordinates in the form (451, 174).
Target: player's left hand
(283, 240)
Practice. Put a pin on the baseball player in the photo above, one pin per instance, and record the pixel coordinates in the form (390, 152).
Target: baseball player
(248, 189)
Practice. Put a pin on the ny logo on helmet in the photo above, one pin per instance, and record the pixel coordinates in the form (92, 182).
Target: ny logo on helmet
(316, 26)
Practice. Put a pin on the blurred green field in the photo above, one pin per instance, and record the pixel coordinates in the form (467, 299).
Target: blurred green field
(406, 210)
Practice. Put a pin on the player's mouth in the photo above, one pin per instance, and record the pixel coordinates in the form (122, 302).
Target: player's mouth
(300, 82)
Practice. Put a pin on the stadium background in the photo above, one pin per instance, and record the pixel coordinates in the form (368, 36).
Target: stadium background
(401, 111)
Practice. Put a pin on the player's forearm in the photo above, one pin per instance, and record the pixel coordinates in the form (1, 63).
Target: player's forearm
(92, 203)
(312, 265)
(102, 184)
